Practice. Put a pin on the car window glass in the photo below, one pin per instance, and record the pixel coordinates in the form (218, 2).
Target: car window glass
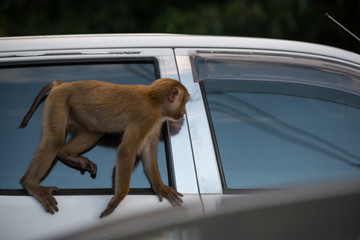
(18, 88)
(272, 134)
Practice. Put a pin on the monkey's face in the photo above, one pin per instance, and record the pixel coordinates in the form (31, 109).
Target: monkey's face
(176, 109)
(179, 115)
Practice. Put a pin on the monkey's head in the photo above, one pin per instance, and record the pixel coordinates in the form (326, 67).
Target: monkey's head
(172, 95)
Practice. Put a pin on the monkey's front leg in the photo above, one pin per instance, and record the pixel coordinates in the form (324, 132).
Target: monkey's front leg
(149, 158)
(124, 167)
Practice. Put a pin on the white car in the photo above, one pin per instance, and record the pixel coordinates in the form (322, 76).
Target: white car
(264, 114)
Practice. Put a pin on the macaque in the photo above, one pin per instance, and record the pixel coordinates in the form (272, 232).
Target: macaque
(90, 109)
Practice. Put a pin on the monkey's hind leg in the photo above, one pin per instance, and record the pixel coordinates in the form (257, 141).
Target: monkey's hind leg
(41, 162)
(52, 139)
(80, 142)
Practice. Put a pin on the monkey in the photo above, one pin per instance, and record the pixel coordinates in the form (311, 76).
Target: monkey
(113, 140)
(89, 109)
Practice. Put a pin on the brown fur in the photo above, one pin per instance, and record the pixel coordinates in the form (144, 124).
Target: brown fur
(94, 108)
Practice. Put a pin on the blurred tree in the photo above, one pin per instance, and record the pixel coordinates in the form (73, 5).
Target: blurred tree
(301, 20)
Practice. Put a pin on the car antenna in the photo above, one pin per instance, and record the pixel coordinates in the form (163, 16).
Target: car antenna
(327, 15)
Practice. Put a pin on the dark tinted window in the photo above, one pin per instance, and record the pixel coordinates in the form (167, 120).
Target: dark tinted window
(18, 88)
(272, 133)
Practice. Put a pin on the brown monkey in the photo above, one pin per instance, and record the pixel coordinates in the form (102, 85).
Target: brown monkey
(90, 109)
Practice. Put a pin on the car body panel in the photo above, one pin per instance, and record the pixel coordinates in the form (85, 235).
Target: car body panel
(320, 211)
(14, 46)
(206, 165)
(74, 209)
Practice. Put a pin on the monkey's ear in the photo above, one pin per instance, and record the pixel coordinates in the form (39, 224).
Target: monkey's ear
(174, 92)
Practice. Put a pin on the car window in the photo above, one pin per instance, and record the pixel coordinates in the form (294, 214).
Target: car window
(18, 87)
(273, 129)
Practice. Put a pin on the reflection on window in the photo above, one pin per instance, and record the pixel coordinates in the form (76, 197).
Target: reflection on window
(18, 88)
(272, 135)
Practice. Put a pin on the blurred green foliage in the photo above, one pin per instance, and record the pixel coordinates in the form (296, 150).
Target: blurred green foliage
(301, 20)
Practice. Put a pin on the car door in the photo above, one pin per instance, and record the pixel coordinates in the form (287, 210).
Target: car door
(81, 199)
(262, 120)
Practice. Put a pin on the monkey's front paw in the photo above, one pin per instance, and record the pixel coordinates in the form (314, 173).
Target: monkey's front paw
(107, 211)
(114, 202)
(170, 194)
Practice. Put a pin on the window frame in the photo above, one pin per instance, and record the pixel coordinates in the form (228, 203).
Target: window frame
(272, 57)
(98, 61)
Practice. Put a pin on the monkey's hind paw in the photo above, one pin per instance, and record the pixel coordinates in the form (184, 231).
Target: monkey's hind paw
(87, 165)
(47, 200)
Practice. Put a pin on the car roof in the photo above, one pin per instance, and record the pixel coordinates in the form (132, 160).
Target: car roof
(112, 41)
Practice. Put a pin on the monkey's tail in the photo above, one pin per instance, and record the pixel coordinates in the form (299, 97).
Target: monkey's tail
(39, 99)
